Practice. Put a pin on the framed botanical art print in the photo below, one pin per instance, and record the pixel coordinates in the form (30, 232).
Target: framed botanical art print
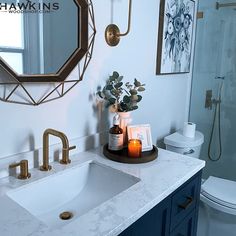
(175, 35)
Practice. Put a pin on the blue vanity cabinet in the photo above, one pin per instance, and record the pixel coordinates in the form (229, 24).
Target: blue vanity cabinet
(187, 226)
(175, 216)
(154, 222)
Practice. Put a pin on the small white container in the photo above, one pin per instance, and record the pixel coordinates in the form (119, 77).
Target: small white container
(177, 142)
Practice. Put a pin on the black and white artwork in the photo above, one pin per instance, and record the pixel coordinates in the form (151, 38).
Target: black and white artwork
(175, 36)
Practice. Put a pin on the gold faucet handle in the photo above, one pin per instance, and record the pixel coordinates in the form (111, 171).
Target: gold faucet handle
(72, 147)
(24, 169)
(14, 165)
(65, 157)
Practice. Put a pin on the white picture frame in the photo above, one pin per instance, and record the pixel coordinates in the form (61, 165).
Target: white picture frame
(142, 132)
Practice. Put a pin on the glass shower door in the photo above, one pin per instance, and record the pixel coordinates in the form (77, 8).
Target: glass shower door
(215, 66)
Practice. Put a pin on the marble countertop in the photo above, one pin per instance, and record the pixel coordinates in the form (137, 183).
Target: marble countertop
(159, 179)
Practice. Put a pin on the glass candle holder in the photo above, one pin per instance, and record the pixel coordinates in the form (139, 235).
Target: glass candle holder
(134, 148)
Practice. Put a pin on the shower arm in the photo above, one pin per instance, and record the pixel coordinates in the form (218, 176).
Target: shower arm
(220, 5)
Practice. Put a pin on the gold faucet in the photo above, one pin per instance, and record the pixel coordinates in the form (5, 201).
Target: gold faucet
(65, 148)
(24, 170)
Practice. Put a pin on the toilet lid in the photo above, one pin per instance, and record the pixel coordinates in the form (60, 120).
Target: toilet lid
(220, 190)
(177, 139)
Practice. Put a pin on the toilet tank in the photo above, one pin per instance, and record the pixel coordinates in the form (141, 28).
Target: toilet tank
(176, 142)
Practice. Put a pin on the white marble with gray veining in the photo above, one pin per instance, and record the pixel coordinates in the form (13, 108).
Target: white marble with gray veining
(158, 180)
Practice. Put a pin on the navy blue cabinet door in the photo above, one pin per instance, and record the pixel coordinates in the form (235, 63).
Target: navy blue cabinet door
(153, 223)
(187, 227)
(184, 201)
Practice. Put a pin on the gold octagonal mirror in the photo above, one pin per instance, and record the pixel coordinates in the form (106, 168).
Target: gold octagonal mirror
(42, 41)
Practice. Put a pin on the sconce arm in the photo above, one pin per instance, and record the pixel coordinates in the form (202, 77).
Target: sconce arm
(129, 20)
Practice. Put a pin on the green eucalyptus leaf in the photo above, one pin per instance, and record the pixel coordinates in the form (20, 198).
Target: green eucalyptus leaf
(139, 98)
(123, 106)
(109, 87)
(134, 103)
(115, 75)
(134, 98)
(120, 78)
(128, 86)
(126, 99)
(133, 92)
(115, 92)
(100, 94)
(112, 101)
(135, 107)
(137, 83)
(111, 79)
(118, 85)
(106, 93)
(141, 89)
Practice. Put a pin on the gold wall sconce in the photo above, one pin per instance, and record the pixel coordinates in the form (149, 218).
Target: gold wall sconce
(112, 32)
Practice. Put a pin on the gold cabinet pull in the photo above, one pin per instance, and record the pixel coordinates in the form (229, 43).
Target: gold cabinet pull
(187, 204)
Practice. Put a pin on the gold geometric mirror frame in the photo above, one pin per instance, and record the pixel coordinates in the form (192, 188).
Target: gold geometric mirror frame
(36, 93)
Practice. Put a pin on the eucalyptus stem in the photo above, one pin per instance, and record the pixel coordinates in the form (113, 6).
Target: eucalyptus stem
(114, 89)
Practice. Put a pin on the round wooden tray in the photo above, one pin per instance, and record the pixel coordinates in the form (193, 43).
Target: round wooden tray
(122, 156)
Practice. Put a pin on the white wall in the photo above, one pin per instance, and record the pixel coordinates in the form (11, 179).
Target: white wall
(165, 102)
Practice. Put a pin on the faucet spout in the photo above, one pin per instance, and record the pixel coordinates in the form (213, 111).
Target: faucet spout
(65, 148)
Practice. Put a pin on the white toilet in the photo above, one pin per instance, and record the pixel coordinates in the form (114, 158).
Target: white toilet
(217, 215)
(176, 142)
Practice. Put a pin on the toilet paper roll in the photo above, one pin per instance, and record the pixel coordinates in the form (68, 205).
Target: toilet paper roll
(189, 129)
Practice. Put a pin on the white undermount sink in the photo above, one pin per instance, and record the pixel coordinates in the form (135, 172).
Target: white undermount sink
(77, 190)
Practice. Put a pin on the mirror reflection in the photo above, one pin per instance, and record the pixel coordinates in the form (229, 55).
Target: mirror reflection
(39, 36)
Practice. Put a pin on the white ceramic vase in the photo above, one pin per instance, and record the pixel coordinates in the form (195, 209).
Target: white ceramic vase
(125, 120)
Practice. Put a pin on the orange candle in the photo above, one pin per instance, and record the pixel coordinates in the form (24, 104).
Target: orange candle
(134, 148)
